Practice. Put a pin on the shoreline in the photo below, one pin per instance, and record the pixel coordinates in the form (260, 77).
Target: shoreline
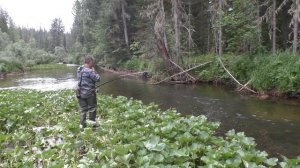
(262, 95)
(27, 69)
(13, 73)
(143, 74)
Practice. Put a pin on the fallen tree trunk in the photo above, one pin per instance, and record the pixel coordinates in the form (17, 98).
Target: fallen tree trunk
(192, 78)
(243, 86)
(126, 73)
(185, 71)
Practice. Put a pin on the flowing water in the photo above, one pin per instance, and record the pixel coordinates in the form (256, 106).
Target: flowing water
(275, 124)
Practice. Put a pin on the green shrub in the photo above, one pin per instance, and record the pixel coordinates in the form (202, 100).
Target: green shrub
(279, 72)
(9, 66)
(133, 64)
(3, 67)
(213, 71)
(143, 64)
(242, 68)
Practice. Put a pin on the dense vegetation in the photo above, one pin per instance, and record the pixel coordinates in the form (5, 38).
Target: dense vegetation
(280, 74)
(41, 129)
(117, 30)
(255, 36)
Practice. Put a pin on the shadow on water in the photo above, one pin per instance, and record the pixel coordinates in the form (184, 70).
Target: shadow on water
(274, 124)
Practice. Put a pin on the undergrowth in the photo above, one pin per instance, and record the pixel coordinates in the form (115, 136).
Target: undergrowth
(41, 129)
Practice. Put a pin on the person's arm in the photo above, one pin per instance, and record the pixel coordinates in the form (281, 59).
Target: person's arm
(94, 76)
(79, 72)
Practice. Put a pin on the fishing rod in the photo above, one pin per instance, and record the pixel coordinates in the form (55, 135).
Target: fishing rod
(120, 77)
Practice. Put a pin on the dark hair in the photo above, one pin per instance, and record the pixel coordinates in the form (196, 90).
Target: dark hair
(88, 60)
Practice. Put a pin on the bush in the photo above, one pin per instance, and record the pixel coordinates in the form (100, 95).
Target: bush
(279, 72)
(22, 54)
(142, 64)
(8, 66)
(243, 67)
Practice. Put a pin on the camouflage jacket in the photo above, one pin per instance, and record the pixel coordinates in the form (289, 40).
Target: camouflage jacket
(87, 79)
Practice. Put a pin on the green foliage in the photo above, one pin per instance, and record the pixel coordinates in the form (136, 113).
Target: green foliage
(243, 67)
(4, 19)
(136, 64)
(57, 34)
(26, 46)
(241, 26)
(20, 54)
(266, 72)
(281, 72)
(26, 53)
(42, 129)
(212, 72)
(60, 53)
(8, 66)
(4, 40)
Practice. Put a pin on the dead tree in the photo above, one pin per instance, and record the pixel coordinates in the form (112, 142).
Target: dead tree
(157, 12)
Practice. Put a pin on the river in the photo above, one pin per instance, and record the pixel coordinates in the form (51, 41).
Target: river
(275, 124)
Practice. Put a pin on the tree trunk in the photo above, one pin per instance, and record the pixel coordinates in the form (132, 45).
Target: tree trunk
(160, 37)
(274, 26)
(176, 17)
(189, 22)
(259, 23)
(208, 39)
(124, 22)
(295, 26)
(163, 15)
(295, 40)
(220, 32)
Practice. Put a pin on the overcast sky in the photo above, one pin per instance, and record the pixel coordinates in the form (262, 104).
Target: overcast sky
(39, 13)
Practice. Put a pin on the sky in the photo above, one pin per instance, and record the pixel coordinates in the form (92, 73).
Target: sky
(39, 13)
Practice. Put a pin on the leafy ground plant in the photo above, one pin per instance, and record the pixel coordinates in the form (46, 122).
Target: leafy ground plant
(41, 129)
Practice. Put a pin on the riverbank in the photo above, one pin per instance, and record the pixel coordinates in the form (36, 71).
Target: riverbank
(44, 131)
(47, 66)
(128, 73)
(266, 75)
(10, 68)
(13, 70)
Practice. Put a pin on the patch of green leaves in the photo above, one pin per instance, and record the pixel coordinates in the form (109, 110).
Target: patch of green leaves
(41, 129)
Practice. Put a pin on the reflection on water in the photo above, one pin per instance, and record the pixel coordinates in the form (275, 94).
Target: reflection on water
(274, 124)
(44, 80)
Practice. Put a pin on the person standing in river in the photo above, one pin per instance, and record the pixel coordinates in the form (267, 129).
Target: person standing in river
(86, 90)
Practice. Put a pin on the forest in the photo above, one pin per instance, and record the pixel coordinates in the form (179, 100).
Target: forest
(250, 44)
